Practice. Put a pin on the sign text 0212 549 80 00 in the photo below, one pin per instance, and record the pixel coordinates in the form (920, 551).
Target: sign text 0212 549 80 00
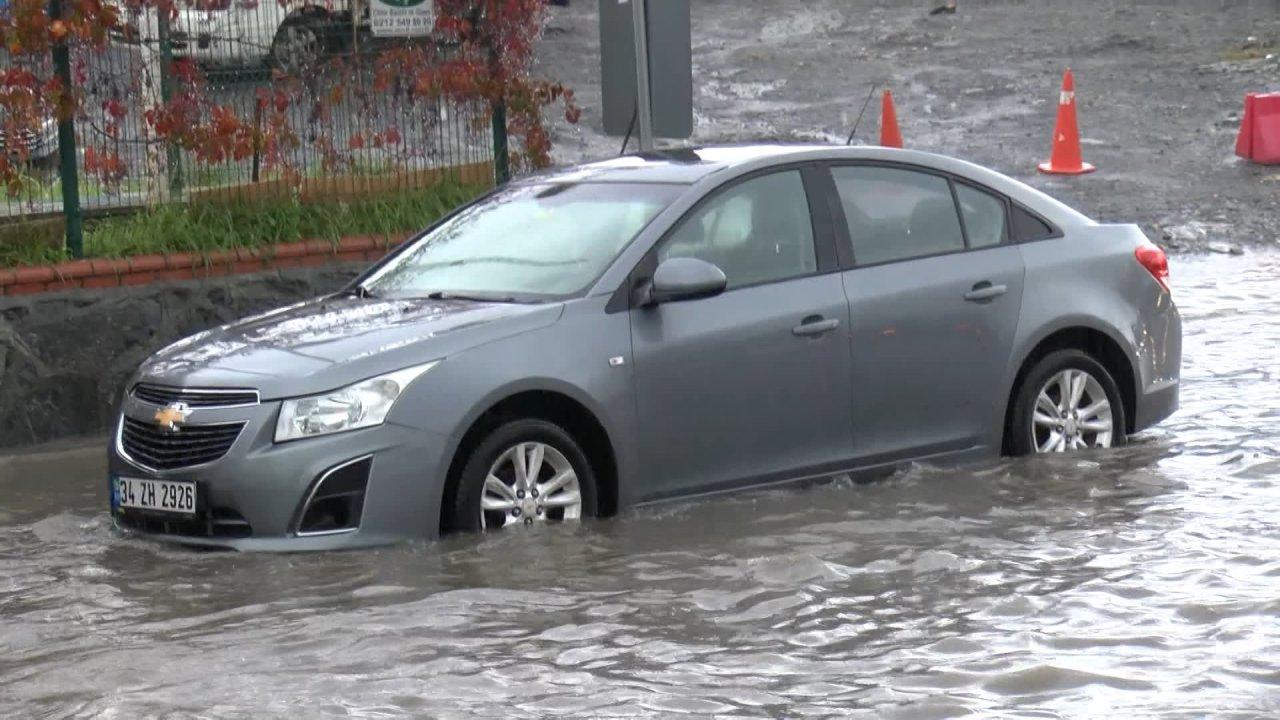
(401, 18)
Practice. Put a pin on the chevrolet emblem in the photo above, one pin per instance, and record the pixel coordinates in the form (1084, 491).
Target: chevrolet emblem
(171, 416)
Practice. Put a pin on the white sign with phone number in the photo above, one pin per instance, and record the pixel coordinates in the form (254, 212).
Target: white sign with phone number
(401, 18)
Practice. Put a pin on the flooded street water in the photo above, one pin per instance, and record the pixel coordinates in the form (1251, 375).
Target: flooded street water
(1137, 582)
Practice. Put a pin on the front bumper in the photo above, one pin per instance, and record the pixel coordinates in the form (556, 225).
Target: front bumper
(37, 144)
(268, 485)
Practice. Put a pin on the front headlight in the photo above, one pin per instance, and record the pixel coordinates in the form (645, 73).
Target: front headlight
(361, 405)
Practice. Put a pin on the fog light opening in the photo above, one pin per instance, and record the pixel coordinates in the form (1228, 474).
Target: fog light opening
(327, 515)
(336, 500)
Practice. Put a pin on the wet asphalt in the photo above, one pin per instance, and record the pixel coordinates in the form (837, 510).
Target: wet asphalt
(1160, 88)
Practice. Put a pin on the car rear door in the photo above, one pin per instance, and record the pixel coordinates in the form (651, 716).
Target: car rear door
(752, 384)
(934, 292)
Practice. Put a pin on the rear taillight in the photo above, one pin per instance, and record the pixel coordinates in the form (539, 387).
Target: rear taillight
(1156, 262)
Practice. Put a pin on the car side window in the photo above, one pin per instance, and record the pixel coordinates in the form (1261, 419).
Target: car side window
(983, 213)
(757, 231)
(895, 214)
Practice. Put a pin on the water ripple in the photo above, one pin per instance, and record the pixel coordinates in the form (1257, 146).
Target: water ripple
(1136, 582)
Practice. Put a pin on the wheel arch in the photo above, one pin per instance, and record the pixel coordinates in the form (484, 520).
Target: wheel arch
(553, 404)
(312, 12)
(1102, 345)
(309, 10)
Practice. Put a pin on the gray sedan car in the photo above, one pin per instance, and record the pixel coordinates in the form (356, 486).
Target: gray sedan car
(652, 327)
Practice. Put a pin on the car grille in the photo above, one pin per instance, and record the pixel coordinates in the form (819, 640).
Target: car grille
(190, 445)
(25, 139)
(25, 136)
(195, 397)
(219, 523)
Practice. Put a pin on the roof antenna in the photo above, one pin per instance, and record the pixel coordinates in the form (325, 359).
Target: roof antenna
(858, 122)
(630, 127)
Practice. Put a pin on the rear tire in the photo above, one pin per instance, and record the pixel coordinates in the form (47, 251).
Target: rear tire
(556, 484)
(1045, 416)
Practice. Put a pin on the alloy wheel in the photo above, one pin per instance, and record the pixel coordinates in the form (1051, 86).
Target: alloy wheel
(300, 47)
(530, 482)
(1072, 412)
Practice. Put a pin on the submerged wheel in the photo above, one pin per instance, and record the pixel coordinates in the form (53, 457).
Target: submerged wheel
(1068, 401)
(524, 472)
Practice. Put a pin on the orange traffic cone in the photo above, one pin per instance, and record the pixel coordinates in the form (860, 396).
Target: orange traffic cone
(890, 135)
(1066, 159)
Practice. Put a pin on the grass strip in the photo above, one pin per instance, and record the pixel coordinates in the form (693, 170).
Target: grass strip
(209, 227)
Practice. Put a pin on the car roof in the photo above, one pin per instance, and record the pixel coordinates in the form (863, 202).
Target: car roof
(687, 166)
(677, 165)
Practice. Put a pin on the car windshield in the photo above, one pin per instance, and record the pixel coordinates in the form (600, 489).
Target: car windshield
(525, 242)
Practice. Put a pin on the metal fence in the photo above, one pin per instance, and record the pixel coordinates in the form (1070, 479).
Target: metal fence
(310, 71)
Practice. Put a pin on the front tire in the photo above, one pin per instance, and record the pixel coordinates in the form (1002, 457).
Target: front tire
(300, 44)
(524, 472)
(1067, 401)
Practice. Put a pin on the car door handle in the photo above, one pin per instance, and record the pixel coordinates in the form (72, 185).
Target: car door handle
(815, 325)
(985, 291)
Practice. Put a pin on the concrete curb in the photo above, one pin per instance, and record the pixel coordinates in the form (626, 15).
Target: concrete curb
(145, 269)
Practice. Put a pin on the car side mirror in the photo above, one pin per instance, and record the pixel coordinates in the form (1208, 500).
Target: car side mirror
(684, 278)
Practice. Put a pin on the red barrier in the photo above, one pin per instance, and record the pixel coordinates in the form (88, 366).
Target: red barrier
(1266, 129)
(1259, 139)
(1244, 140)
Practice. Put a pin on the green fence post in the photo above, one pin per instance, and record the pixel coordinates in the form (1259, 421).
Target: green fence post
(67, 170)
(173, 156)
(498, 107)
(501, 161)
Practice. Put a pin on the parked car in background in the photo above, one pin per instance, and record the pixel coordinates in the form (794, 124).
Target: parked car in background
(39, 143)
(241, 33)
(654, 327)
(247, 33)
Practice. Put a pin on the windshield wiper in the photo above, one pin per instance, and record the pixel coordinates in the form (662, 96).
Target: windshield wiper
(475, 297)
(361, 292)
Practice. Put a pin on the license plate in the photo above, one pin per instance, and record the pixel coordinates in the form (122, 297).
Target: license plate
(159, 495)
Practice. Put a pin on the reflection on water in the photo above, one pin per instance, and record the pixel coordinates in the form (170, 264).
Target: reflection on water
(1141, 581)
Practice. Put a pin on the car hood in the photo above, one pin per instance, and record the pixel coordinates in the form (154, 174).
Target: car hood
(331, 342)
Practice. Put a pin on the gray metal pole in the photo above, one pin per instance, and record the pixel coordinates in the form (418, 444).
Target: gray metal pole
(644, 108)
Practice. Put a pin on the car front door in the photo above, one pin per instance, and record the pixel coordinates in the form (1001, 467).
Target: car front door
(750, 385)
(934, 291)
